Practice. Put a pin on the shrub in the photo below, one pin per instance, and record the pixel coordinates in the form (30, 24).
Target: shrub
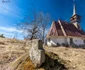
(58, 44)
(2, 35)
(65, 45)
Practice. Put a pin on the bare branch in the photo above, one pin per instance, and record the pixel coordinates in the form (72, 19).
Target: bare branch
(36, 27)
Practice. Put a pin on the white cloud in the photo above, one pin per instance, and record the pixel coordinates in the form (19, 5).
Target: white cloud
(10, 29)
(11, 32)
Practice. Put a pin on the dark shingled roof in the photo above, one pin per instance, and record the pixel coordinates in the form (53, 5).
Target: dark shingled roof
(69, 30)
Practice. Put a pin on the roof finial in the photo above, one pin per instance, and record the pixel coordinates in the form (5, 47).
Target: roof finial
(74, 8)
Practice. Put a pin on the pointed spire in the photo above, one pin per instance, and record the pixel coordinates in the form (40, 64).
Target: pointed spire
(74, 8)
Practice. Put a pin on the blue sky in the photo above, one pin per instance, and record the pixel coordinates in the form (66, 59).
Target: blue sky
(14, 12)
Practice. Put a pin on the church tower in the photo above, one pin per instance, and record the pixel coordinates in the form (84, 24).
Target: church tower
(75, 19)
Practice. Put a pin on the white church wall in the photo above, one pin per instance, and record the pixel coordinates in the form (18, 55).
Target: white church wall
(68, 40)
(55, 41)
(78, 41)
(75, 24)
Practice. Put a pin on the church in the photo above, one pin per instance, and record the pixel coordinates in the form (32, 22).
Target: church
(62, 32)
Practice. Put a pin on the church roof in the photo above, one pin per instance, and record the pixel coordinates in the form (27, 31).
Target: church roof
(63, 28)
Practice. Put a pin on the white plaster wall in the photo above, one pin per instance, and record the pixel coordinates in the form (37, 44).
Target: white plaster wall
(68, 40)
(78, 41)
(75, 24)
(54, 41)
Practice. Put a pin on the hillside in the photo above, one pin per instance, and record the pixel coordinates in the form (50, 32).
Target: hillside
(14, 54)
(10, 50)
(74, 59)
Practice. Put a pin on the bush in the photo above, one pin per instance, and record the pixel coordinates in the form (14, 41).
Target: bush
(58, 44)
(2, 36)
(65, 45)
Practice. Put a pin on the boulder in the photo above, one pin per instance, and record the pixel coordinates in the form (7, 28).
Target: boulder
(36, 53)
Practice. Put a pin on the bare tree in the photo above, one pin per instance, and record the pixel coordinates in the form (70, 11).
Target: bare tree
(35, 28)
(45, 19)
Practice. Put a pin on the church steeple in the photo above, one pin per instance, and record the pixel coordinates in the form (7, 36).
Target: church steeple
(75, 19)
(74, 8)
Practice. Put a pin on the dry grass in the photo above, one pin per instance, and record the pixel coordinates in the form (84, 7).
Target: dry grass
(28, 65)
(74, 58)
(10, 50)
